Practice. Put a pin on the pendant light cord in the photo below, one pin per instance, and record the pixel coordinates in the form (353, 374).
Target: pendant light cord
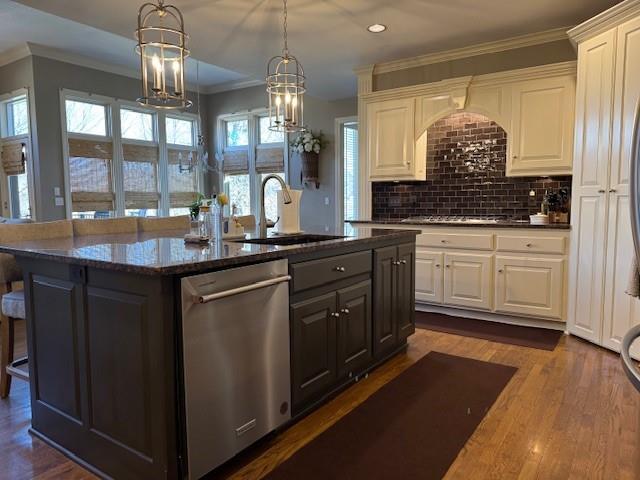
(285, 50)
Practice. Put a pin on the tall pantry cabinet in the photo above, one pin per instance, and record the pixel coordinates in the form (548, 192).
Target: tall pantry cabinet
(608, 89)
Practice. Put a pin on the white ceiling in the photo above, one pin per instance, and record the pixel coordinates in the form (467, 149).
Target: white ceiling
(329, 37)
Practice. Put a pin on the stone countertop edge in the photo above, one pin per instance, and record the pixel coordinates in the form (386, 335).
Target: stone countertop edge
(551, 226)
(199, 266)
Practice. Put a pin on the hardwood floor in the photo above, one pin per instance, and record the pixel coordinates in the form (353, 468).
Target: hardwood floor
(566, 414)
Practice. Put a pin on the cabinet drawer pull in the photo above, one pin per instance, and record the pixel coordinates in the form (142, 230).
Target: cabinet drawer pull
(443, 241)
(437, 265)
(335, 314)
(340, 269)
(345, 311)
(601, 191)
(403, 262)
(448, 266)
(500, 271)
(613, 190)
(529, 245)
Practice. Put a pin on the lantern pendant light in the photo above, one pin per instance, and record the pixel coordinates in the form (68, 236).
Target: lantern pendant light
(162, 46)
(285, 86)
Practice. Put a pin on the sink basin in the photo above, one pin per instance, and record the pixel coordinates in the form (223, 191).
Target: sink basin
(290, 239)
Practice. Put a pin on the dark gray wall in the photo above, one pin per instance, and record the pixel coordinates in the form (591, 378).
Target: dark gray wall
(318, 115)
(543, 54)
(14, 76)
(49, 77)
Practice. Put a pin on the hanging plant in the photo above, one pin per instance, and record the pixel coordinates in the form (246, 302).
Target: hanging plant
(308, 146)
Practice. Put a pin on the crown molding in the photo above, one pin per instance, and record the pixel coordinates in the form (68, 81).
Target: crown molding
(459, 84)
(80, 60)
(471, 51)
(14, 54)
(233, 85)
(605, 21)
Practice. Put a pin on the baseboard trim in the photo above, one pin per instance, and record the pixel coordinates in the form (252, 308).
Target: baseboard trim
(492, 317)
(69, 455)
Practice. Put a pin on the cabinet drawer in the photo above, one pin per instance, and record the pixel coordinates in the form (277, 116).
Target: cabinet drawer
(474, 241)
(326, 270)
(531, 244)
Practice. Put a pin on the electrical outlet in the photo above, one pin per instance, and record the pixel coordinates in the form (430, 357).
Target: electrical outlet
(59, 202)
(56, 191)
(326, 200)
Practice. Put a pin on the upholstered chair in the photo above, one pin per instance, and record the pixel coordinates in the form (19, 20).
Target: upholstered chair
(155, 224)
(13, 303)
(105, 226)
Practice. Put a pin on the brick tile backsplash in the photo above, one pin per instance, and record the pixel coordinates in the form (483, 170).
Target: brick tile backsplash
(451, 190)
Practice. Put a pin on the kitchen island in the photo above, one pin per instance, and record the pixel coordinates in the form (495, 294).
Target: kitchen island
(106, 346)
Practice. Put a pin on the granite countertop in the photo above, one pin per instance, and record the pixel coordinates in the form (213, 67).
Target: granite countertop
(498, 224)
(166, 253)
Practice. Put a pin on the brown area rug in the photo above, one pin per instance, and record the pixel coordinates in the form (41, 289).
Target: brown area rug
(542, 338)
(413, 427)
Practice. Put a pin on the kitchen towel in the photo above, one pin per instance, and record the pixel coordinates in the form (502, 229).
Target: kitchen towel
(633, 288)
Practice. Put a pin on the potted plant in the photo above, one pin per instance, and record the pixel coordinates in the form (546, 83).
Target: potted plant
(308, 146)
(194, 208)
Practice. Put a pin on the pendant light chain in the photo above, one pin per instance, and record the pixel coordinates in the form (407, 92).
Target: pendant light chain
(285, 51)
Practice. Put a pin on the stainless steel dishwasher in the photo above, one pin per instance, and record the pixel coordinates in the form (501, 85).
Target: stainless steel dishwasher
(235, 327)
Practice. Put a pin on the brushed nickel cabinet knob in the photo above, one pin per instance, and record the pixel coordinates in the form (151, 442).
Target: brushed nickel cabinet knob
(345, 311)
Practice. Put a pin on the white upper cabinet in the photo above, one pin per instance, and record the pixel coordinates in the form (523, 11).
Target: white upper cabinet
(534, 105)
(390, 141)
(542, 127)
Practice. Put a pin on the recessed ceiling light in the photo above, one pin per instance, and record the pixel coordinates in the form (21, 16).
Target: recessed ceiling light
(377, 28)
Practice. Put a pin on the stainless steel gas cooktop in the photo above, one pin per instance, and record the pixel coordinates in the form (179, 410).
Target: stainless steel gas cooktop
(488, 219)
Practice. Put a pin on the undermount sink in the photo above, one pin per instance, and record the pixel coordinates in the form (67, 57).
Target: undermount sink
(291, 239)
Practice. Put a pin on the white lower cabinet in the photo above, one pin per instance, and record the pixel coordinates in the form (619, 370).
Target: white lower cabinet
(429, 282)
(529, 286)
(468, 280)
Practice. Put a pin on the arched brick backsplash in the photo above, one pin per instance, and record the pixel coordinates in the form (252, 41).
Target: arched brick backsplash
(449, 190)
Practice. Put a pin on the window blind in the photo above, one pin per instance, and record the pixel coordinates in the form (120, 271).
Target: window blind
(183, 184)
(13, 159)
(90, 174)
(140, 171)
(269, 159)
(236, 162)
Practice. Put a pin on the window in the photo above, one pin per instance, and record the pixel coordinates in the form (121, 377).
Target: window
(180, 132)
(126, 167)
(266, 135)
(14, 155)
(86, 118)
(347, 170)
(17, 117)
(136, 125)
(350, 168)
(237, 133)
(250, 152)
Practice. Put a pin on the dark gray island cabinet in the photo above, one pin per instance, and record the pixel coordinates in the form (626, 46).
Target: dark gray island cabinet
(104, 334)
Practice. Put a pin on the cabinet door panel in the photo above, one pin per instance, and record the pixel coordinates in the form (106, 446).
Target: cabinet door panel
(405, 290)
(390, 139)
(313, 347)
(621, 311)
(385, 332)
(429, 276)
(542, 127)
(354, 328)
(530, 286)
(594, 113)
(468, 280)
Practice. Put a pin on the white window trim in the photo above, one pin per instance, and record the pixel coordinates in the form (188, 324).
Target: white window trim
(4, 190)
(339, 169)
(253, 117)
(113, 125)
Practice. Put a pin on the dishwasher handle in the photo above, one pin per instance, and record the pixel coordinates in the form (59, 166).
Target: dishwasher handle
(246, 288)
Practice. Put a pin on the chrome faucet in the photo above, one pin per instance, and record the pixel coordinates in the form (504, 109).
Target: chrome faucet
(285, 194)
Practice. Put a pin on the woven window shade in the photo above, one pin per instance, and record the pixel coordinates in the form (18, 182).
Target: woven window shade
(140, 172)
(236, 162)
(13, 160)
(90, 175)
(270, 160)
(183, 185)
